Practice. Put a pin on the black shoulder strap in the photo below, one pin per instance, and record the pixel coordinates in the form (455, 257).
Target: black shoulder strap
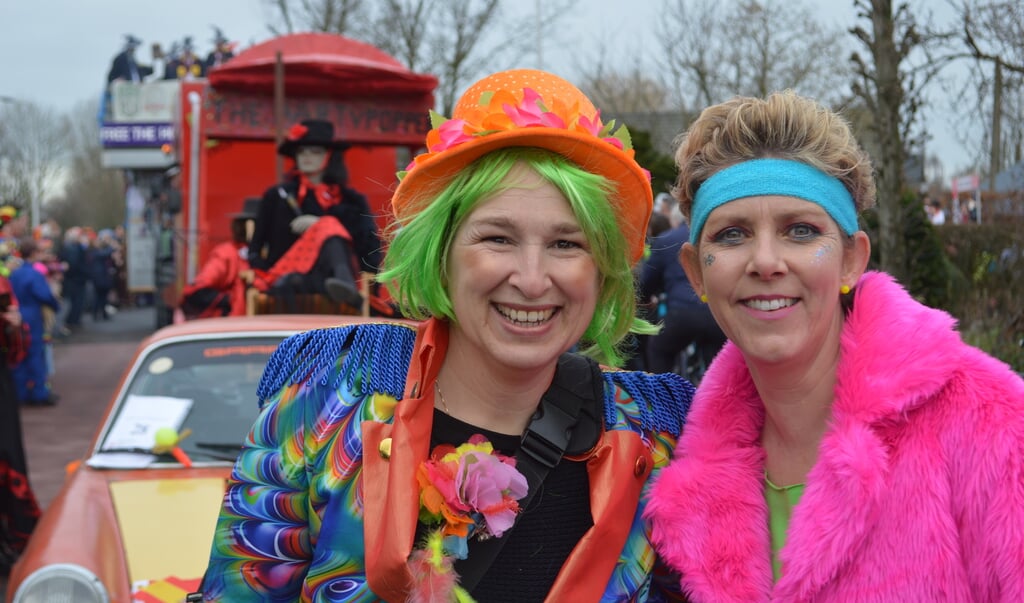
(568, 419)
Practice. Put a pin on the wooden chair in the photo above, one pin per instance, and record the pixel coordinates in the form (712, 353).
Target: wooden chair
(258, 302)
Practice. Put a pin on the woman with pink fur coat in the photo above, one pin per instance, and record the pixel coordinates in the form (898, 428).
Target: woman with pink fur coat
(846, 444)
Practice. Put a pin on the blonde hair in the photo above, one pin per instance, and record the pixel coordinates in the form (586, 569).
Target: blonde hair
(783, 125)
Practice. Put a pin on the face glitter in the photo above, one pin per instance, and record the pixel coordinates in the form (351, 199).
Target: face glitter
(822, 253)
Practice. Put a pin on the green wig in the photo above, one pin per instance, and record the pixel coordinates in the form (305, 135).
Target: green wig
(415, 269)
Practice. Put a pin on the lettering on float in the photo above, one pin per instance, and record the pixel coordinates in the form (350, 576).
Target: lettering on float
(381, 121)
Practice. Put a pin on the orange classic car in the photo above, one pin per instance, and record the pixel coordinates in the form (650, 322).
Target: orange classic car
(134, 520)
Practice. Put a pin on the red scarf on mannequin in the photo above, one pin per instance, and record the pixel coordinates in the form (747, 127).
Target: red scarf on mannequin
(326, 194)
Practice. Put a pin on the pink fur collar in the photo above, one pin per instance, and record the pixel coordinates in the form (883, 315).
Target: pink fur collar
(895, 353)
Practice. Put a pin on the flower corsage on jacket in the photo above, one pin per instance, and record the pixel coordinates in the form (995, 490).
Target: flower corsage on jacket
(465, 492)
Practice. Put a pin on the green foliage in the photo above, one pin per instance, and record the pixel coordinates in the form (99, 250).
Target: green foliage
(973, 271)
(662, 167)
(990, 304)
(933, 277)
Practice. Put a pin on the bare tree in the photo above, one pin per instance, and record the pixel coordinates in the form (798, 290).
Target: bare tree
(891, 91)
(456, 40)
(93, 195)
(994, 31)
(32, 155)
(627, 91)
(993, 35)
(780, 45)
(334, 16)
(401, 30)
(281, 8)
(460, 40)
(713, 51)
(691, 56)
(453, 48)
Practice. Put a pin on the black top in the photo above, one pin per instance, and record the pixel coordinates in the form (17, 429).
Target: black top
(125, 68)
(272, 235)
(545, 532)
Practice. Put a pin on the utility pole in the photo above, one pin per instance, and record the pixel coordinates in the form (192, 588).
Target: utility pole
(995, 159)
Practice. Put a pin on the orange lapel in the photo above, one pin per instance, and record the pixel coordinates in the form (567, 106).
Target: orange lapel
(389, 512)
(618, 469)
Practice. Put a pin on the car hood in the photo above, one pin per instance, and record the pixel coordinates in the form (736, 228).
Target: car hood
(166, 529)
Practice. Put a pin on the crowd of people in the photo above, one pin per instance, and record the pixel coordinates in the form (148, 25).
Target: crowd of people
(180, 61)
(959, 213)
(50, 279)
(56, 278)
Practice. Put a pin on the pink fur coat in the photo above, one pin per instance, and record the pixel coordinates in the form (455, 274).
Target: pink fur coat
(917, 493)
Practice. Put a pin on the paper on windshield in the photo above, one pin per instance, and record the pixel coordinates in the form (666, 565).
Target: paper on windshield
(140, 417)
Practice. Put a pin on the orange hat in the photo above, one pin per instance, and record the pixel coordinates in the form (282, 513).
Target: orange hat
(529, 108)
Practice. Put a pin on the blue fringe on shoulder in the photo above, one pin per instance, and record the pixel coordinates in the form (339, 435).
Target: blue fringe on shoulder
(662, 399)
(375, 359)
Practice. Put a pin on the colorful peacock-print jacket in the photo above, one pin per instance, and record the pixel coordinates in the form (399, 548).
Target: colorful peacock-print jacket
(314, 511)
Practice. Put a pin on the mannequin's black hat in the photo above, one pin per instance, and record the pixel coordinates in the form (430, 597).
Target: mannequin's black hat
(310, 133)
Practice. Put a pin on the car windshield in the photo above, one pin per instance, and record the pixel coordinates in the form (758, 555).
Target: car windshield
(203, 386)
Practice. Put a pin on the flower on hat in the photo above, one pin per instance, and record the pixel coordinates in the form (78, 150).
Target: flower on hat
(297, 131)
(529, 108)
(504, 110)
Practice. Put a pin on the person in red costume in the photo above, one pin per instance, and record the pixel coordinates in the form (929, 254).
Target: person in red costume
(219, 288)
(312, 232)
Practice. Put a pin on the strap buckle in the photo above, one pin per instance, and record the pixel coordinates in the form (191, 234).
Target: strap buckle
(547, 435)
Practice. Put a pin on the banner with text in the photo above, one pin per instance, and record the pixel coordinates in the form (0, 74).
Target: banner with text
(365, 121)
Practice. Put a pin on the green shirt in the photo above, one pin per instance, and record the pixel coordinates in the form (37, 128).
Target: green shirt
(781, 501)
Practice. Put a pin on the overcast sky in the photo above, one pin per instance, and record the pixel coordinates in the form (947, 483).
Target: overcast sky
(57, 52)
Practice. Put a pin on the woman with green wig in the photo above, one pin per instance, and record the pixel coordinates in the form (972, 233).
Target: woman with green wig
(424, 243)
(469, 454)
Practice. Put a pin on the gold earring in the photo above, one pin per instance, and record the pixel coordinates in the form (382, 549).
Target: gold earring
(845, 289)
(703, 298)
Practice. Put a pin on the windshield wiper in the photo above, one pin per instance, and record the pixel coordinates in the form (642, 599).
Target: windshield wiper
(228, 452)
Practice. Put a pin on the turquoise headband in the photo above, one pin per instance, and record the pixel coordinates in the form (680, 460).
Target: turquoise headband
(773, 177)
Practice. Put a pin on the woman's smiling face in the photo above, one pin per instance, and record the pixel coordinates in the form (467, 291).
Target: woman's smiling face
(772, 267)
(522, 279)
